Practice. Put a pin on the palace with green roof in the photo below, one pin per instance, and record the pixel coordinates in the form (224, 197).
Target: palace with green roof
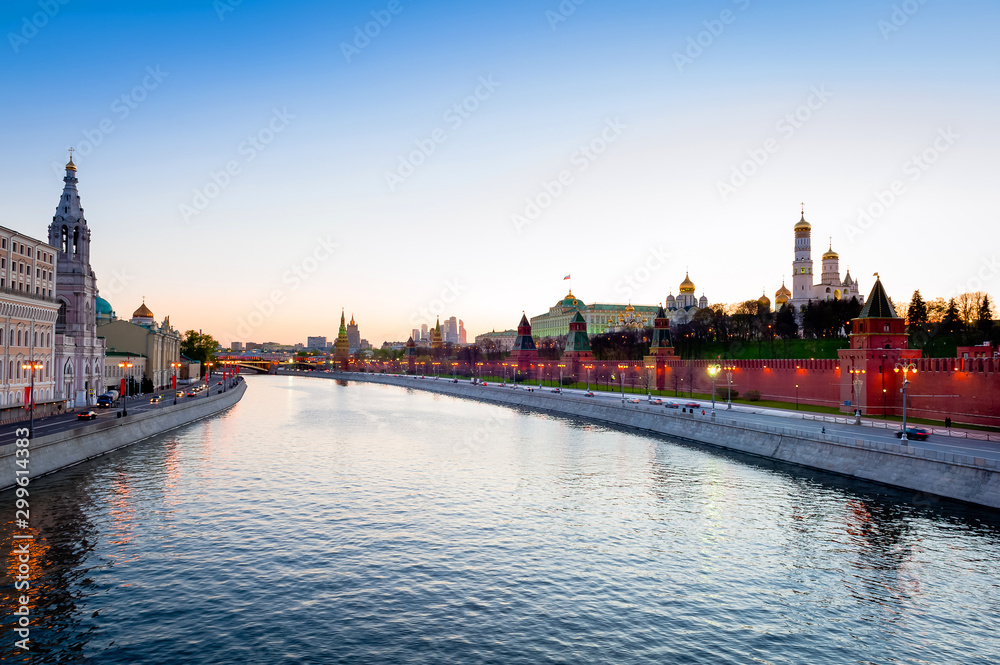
(600, 317)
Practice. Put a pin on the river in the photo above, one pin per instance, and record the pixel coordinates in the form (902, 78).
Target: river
(318, 522)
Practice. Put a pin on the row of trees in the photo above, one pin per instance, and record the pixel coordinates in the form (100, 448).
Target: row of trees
(939, 325)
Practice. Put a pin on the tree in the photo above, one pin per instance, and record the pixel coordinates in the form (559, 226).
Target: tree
(936, 309)
(968, 308)
(916, 313)
(199, 346)
(951, 322)
(985, 317)
(784, 323)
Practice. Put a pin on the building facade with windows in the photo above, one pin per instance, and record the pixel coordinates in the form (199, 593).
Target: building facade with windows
(28, 315)
(158, 343)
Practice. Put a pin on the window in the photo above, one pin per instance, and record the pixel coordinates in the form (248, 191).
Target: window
(76, 239)
(3, 243)
(19, 338)
(38, 272)
(29, 252)
(65, 239)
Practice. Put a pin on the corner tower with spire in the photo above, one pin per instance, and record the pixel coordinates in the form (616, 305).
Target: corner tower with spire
(79, 352)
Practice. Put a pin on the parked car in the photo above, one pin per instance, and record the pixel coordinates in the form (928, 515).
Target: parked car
(915, 433)
(87, 415)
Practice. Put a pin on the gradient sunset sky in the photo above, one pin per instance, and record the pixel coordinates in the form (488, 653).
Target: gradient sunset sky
(157, 96)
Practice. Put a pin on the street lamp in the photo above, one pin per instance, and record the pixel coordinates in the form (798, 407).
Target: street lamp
(208, 379)
(589, 368)
(649, 384)
(905, 367)
(32, 365)
(125, 366)
(713, 371)
(621, 376)
(729, 394)
(561, 376)
(857, 382)
(796, 397)
(479, 366)
(541, 366)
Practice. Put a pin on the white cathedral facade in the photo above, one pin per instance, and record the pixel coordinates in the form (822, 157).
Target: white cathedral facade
(78, 351)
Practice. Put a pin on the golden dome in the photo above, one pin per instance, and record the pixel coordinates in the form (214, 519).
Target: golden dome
(142, 312)
(71, 166)
(830, 254)
(764, 300)
(782, 295)
(803, 225)
(629, 308)
(687, 286)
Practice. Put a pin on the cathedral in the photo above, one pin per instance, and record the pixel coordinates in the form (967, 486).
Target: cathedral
(78, 351)
(804, 290)
(682, 308)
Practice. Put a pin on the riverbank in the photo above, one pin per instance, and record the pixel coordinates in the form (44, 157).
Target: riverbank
(841, 449)
(61, 450)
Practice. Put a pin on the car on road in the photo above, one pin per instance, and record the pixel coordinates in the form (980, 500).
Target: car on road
(634, 400)
(155, 399)
(191, 393)
(915, 433)
(454, 380)
(656, 402)
(483, 383)
(104, 401)
(556, 390)
(671, 405)
(692, 405)
(589, 393)
(87, 415)
(179, 393)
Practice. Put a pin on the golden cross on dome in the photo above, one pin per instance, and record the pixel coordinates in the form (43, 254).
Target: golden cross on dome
(71, 150)
(803, 208)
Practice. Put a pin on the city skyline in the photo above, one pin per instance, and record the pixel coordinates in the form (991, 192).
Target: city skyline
(607, 119)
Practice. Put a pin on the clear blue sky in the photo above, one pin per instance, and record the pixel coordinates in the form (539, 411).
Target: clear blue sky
(329, 123)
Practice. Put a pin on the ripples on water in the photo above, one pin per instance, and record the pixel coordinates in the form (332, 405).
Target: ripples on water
(323, 523)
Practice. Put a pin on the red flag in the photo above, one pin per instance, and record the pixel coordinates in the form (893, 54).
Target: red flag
(173, 382)
(121, 390)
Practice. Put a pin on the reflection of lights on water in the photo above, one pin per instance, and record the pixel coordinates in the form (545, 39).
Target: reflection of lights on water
(37, 550)
(122, 513)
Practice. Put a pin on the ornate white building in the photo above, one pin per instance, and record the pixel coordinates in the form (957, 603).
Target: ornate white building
(27, 320)
(79, 352)
(681, 309)
(830, 286)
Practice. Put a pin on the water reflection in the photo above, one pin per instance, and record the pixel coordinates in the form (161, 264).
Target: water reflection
(321, 523)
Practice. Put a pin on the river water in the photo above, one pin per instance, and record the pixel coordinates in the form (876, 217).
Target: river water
(318, 522)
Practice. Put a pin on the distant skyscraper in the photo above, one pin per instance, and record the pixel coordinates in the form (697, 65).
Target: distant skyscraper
(236, 346)
(451, 330)
(415, 335)
(317, 343)
(462, 337)
(353, 336)
(424, 336)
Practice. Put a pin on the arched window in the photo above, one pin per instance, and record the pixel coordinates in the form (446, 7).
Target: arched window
(19, 338)
(76, 239)
(64, 243)
(61, 317)
(1, 336)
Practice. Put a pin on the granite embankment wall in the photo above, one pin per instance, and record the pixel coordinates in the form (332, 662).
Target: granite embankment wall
(971, 479)
(64, 449)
